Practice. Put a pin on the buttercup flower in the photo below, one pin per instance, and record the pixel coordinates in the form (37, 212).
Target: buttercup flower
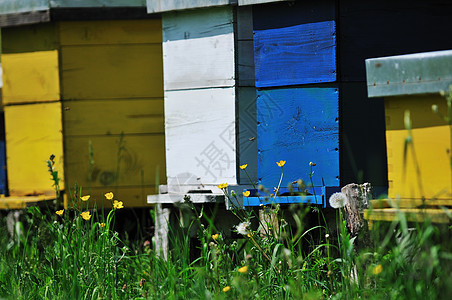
(246, 194)
(85, 198)
(377, 270)
(118, 204)
(243, 269)
(60, 212)
(215, 236)
(222, 186)
(86, 215)
(243, 228)
(338, 200)
(243, 167)
(102, 225)
(281, 163)
(226, 289)
(312, 164)
(109, 195)
(250, 234)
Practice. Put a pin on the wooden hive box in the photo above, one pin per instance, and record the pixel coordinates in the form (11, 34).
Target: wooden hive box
(418, 139)
(209, 100)
(85, 91)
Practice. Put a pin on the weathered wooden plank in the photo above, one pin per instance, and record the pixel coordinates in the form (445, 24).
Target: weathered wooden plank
(24, 18)
(299, 126)
(111, 71)
(141, 160)
(247, 134)
(200, 136)
(30, 77)
(370, 30)
(428, 173)
(33, 133)
(249, 2)
(96, 3)
(29, 38)
(410, 74)
(110, 117)
(198, 49)
(110, 32)
(245, 47)
(363, 142)
(411, 215)
(409, 203)
(156, 6)
(299, 54)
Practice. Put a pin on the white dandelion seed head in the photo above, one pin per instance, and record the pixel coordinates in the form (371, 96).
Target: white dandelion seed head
(338, 200)
(243, 228)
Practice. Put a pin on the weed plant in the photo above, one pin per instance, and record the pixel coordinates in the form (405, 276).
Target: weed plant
(73, 253)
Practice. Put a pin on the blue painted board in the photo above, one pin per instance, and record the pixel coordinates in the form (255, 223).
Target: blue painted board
(300, 54)
(298, 125)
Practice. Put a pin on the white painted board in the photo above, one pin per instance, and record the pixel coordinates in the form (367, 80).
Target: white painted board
(156, 6)
(198, 49)
(200, 136)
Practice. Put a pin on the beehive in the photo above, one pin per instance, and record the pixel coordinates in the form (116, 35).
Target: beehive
(74, 86)
(418, 139)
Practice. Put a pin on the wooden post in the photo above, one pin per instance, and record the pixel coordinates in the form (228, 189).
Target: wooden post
(358, 196)
(161, 230)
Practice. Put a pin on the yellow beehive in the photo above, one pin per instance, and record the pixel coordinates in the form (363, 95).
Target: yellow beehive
(418, 137)
(85, 91)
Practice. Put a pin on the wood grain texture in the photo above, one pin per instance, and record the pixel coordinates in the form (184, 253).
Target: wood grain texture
(141, 161)
(247, 134)
(111, 71)
(30, 77)
(96, 3)
(19, 6)
(198, 49)
(298, 125)
(111, 117)
(200, 136)
(110, 32)
(431, 139)
(298, 54)
(370, 30)
(33, 133)
(155, 6)
(29, 38)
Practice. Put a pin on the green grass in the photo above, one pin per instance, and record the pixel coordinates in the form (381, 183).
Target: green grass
(68, 257)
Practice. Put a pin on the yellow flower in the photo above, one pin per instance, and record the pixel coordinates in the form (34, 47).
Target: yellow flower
(243, 167)
(281, 163)
(246, 194)
(226, 289)
(215, 236)
(243, 269)
(250, 234)
(109, 195)
(377, 270)
(118, 204)
(102, 225)
(222, 186)
(312, 164)
(60, 212)
(85, 198)
(86, 215)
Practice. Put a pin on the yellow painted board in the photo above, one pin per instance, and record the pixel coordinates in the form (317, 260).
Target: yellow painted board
(112, 72)
(22, 202)
(104, 117)
(409, 203)
(29, 38)
(424, 172)
(130, 196)
(30, 77)
(141, 156)
(411, 214)
(33, 133)
(110, 32)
